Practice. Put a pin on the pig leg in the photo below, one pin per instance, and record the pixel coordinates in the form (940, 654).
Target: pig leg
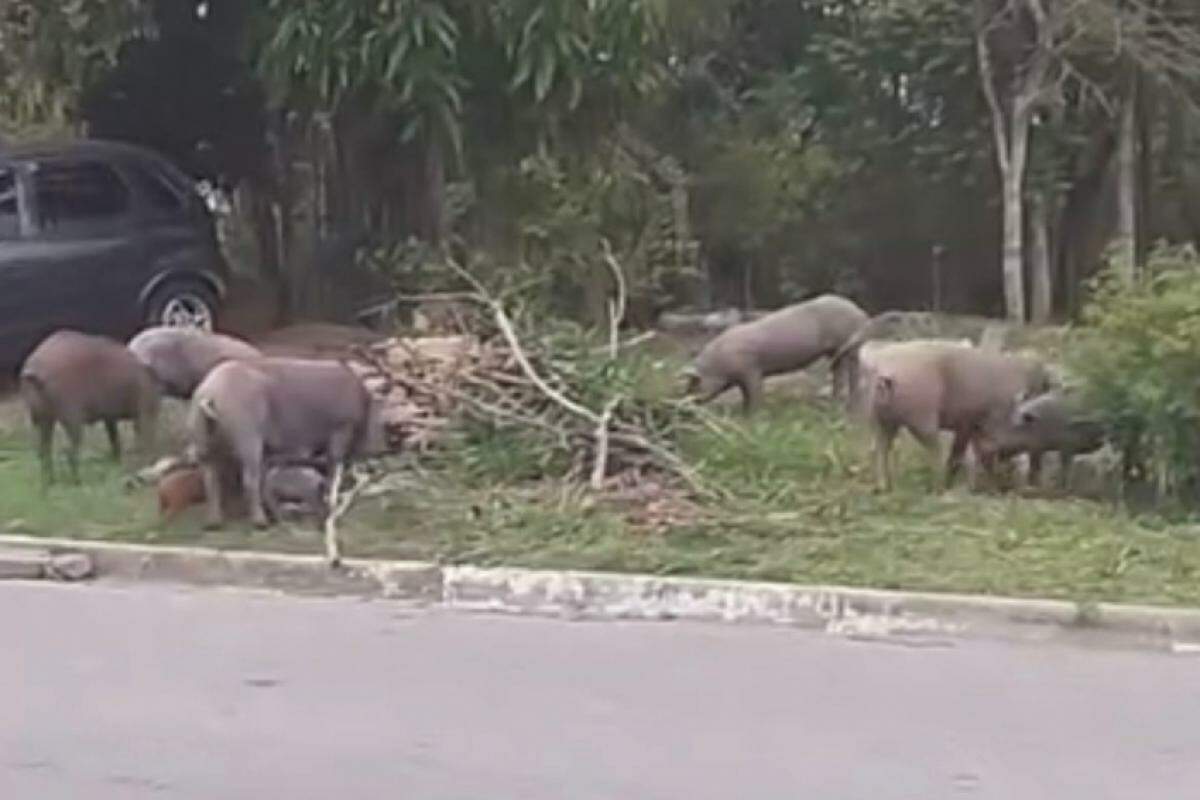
(114, 438)
(1065, 458)
(45, 434)
(927, 436)
(210, 471)
(885, 436)
(74, 438)
(252, 485)
(752, 391)
(1035, 468)
(954, 461)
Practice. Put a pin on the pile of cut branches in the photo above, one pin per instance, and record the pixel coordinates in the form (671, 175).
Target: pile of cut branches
(496, 372)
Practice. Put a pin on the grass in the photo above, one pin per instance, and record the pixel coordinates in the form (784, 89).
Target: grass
(800, 507)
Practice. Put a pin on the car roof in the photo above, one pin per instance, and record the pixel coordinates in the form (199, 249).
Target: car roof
(93, 148)
(75, 147)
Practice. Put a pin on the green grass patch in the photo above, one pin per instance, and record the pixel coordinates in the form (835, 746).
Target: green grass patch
(799, 506)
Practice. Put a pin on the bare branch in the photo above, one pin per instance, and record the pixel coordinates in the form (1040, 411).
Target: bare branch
(988, 79)
(518, 352)
(616, 308)
(600, 465)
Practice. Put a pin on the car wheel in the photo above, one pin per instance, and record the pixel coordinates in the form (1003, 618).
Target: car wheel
(183, 305)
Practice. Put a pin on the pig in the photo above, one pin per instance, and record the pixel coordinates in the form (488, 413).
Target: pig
(180, 357)
(1052, 422)
(248, 411)
(928, 386)
(76, 379)
(291, 490)
(782, 341)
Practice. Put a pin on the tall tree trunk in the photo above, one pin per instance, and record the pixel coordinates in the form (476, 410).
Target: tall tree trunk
(1041, 278)
(1012, 179)
(1127, 182)
(1147, 111)
(423, 191)
(1012, 115)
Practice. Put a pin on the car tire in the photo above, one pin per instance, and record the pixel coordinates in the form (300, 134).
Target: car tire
(188, 304)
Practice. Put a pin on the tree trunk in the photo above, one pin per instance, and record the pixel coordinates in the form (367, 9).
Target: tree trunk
(1014, 247)
(1147, 111)
(1040, 274)
(423, 191)
(1012, 115)
(1127, 169)
(1078, 216)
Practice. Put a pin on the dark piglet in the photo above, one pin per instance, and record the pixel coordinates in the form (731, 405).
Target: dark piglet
(74, 380)
(1051, 422)
(295, 490)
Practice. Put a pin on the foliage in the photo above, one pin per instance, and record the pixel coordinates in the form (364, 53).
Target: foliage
(49, 51)
(420, 58)
(1137, 360)
(187, 93)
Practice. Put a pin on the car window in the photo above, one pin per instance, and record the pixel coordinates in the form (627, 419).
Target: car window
(154, 189)
(10, 219)
(77, 192)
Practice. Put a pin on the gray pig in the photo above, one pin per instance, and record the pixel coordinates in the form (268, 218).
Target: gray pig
(783, 341)
(1049, 423)
(75, 379)
(928, 386)
(292, 490)
(252, 410)
(180, 357)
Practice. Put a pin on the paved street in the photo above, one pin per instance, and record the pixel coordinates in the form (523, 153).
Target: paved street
(113, 692)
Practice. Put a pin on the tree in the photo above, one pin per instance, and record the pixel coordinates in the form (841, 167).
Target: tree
(1016, 42)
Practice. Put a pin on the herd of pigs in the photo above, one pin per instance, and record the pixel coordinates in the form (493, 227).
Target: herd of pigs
(272, 432)
(998, 404)
(267, 432)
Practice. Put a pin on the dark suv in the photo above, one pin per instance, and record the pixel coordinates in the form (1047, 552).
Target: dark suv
(104, 238)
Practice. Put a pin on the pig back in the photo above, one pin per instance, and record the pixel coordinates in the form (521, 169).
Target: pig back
(89, 377)
(311, 400)
(915, 375)
(787, 339)
(982, 387)
(180, 358)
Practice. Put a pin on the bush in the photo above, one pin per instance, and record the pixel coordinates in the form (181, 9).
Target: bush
(1138, 362)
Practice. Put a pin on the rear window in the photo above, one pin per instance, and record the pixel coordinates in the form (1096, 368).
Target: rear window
(154, 190)
(77, 192)
(10, 220)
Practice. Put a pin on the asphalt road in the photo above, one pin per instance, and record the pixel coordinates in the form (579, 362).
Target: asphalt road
(113, 692)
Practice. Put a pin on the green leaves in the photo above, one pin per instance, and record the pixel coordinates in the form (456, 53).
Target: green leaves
(420, 57)
(1138, 361)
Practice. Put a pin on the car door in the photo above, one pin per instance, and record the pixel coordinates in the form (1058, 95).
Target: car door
(87, 245)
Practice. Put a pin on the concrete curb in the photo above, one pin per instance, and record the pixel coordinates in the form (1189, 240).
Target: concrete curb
(918, 617)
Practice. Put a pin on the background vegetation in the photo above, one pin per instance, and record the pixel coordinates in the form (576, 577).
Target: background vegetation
(974, 156)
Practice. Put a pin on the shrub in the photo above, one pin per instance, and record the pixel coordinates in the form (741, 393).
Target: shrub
(1138, 362)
